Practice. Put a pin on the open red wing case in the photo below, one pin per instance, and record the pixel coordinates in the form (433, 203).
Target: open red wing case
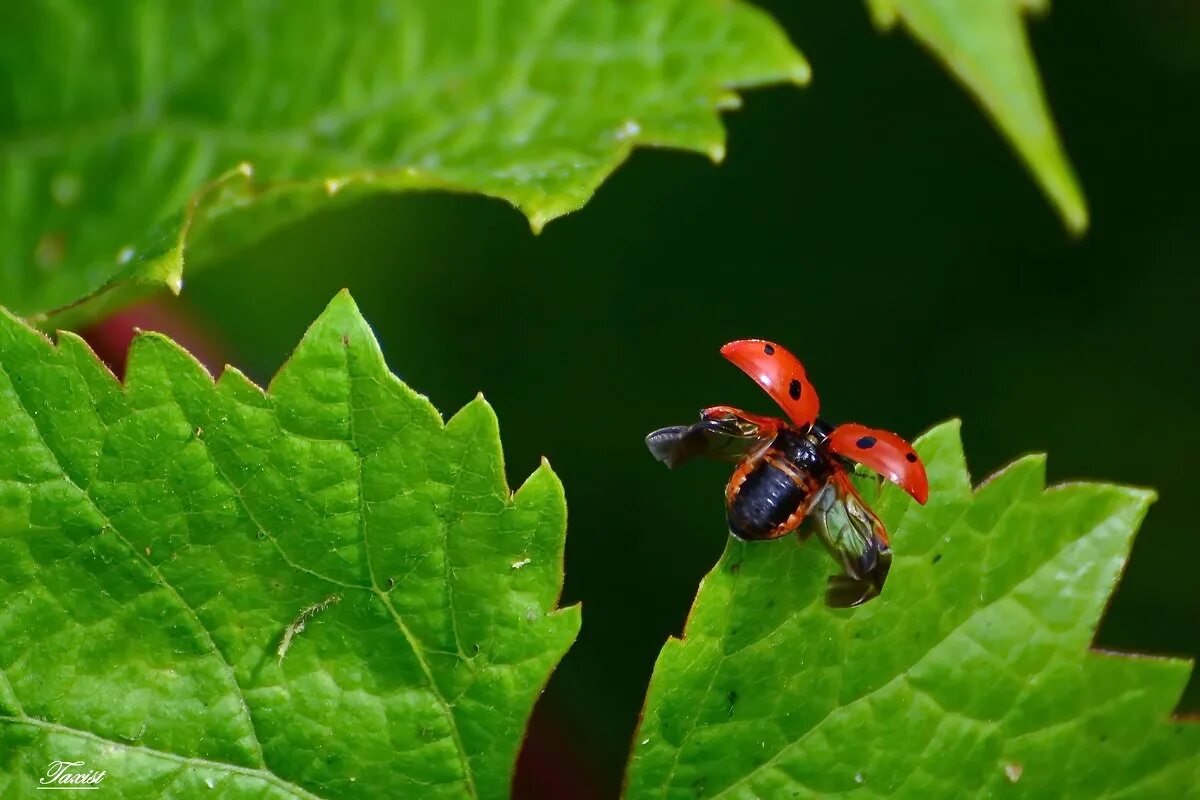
(884, 452)
(780, 374)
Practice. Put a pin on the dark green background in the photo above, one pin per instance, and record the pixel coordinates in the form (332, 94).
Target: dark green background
(877, 225)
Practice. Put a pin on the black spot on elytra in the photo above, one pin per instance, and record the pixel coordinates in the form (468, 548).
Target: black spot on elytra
(866, 442)
(911, 458)
(937, 558)
(794, 389)
(768, 349)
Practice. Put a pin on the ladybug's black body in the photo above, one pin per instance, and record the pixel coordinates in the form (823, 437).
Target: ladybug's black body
(765, 501)
(768, 491)
(795, 474)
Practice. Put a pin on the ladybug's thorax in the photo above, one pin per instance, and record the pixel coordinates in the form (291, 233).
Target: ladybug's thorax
(800, 450)
(820, 430)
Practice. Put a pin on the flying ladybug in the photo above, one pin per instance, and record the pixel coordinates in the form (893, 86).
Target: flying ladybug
(796, 475)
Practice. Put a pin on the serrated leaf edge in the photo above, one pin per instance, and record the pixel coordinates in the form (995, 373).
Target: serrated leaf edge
(1141, 497)
(342, 303)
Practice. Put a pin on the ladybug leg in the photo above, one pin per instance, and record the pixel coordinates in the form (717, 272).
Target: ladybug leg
(805, 531)
(792, 523)
(809, 524)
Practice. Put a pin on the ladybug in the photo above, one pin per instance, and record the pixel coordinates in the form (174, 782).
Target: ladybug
(792, 473)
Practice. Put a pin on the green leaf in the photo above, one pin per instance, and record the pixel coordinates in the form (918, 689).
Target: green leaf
(970, 677)
(321, 590)
(133, 130)
(983, 43)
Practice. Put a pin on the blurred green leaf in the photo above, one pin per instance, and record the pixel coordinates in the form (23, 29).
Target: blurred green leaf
(983, 43)
(133, 130)
(317, 591)
(970, 676)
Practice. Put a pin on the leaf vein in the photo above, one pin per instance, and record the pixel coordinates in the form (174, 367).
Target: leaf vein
(153, 570)
(413, 641)
(263, 773)
(903, 673)
(237, 493)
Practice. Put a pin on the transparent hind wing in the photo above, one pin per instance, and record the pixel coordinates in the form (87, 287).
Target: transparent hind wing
(856, 539)
(723, 433)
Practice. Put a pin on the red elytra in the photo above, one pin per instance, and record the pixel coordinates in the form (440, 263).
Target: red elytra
(780, 374)
(884, 452)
